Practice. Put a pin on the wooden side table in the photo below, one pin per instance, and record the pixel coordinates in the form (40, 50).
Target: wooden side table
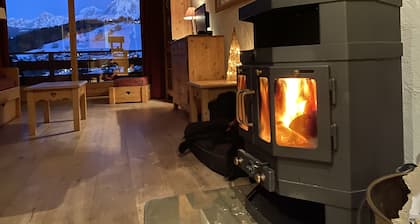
(205, 91)
(52, 91)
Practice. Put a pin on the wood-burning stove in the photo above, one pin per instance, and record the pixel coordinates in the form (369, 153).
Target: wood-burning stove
(319, 102)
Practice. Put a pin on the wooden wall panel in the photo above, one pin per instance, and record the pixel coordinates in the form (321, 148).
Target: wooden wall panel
(180, 27)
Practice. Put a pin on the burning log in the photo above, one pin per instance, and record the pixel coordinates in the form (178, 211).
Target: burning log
(301, 133)
(305, 125)
(288, 137)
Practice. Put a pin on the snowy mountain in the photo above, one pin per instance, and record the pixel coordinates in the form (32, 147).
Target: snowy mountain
(91, 12)
(115, 10)
(17, 23)
(122, 8)
(46, 19)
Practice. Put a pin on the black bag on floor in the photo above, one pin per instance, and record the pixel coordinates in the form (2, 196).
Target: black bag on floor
(223, 107)
(215, 144)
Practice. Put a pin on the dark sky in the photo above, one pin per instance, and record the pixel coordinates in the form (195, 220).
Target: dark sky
(29, 9)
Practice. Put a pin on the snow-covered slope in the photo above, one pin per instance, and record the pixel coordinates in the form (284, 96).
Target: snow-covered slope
(97, 39)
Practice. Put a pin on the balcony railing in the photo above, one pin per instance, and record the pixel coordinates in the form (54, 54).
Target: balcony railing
(56, 66)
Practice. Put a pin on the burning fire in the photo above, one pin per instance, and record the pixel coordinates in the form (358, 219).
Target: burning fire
(296, 112)
(241, 82)
(265, 130)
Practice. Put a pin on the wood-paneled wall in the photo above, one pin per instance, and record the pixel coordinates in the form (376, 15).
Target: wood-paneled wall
(223, 22)
(180, 27)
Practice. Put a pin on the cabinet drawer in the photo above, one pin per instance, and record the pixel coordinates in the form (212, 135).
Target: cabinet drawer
(53, 95)
(7, 111)
(124, 94)
(9, 94)
(132, 92)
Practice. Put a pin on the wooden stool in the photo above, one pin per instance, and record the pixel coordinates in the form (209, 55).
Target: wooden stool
(126, 94)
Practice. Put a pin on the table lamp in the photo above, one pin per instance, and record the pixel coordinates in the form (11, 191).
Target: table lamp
(189, 15)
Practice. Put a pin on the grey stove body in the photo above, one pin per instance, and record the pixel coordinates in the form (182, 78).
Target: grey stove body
(319, 103)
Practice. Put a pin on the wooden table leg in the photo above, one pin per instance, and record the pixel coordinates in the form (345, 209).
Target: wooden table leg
(31, 113)
(204, 96)
(47, 111)
(18, 107)
(83, 104)
(76, 109)
(111, 94)
(193, 106)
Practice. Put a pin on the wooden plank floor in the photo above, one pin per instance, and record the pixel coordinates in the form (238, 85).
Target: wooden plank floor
(125, 155)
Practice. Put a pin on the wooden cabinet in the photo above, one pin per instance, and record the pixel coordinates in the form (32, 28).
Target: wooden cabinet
(10, 97)
(195, 58)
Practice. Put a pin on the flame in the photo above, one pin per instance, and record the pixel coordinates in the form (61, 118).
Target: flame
(265, 130)
(296, 112)
(241, 82)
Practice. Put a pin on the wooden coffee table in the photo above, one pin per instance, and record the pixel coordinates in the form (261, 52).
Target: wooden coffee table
(52, 91)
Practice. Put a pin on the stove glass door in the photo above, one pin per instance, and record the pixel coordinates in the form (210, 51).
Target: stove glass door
(264, 110)
(295, 108)
(293, 111)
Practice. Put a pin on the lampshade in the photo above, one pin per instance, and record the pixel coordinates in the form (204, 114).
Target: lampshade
(190, 13)
(2, 13)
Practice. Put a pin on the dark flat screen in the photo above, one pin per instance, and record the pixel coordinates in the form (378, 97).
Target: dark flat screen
(201, 19)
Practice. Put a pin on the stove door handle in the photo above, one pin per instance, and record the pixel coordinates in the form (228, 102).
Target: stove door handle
(240, 106)
(247, 92)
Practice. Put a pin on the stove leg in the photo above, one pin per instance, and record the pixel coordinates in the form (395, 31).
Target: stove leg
(271, 208)
(347, 216)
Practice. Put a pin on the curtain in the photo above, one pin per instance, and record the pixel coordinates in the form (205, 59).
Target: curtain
(4, 40)
(153, 45)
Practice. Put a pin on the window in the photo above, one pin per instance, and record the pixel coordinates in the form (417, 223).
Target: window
(296, 109)
(108, 38)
